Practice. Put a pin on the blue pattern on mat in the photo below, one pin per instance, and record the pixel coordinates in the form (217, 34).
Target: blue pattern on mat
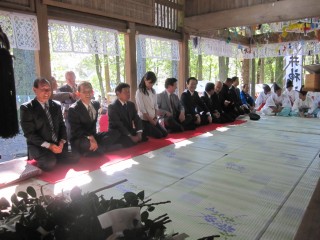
(225, 224)
(235, 166)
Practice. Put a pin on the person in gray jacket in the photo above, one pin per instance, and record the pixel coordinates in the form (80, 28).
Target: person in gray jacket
(172, 110)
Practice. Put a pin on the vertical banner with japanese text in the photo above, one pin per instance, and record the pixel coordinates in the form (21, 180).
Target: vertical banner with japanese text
(294, 71)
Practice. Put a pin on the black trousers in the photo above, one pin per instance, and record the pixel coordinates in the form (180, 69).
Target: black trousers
(47, 160)
(224, 118)
(126, 140)
(173, 123)
(105, 141)
(156, 131)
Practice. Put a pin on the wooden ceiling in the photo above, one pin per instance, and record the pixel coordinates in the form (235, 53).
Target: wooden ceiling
(211, 17)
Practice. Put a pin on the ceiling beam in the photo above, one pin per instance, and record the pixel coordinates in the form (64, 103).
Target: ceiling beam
(277, 11)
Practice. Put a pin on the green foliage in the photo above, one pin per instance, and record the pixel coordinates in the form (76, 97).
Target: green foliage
(162, 69)
(84, 66)
(61, 218)
(210, 66)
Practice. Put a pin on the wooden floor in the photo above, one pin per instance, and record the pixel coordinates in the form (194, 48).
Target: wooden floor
(251, 181)
(310, 224)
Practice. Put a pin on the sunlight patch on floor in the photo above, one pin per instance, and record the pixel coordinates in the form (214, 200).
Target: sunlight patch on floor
(183, 143)
(73, 178)
(118, 167)
(222, 129)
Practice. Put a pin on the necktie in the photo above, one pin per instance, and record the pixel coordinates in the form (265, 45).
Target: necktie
(125, 108)
(54, 136)
(172, 104)
(90, 113)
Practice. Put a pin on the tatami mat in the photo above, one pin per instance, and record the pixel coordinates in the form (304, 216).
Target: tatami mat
(250, 181)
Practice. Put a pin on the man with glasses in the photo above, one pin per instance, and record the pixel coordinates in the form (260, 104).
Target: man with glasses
(82, 117)
(43, 126)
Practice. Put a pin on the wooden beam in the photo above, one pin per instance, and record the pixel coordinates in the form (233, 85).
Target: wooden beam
(183, 63)
(154, 31)
(130, 59)
(92, 11)
(277, 11)
(86, 18)
(44, 53)
(28, 6)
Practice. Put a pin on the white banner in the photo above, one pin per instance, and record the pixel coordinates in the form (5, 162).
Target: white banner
(294, 71)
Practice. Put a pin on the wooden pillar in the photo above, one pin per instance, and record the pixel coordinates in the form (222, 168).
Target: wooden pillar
(253, 77)
(183, 63)
(245, 71)
(44, 53)
(130, 59)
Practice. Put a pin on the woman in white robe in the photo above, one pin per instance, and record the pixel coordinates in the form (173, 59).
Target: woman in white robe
(290, 92)
(262, 98)
(303, 106)
(277, 104)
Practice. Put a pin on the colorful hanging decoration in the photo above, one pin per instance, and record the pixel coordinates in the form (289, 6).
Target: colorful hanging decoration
(216, 47)
(299, 27)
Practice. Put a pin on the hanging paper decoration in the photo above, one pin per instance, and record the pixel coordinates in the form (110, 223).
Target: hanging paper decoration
(215, 47)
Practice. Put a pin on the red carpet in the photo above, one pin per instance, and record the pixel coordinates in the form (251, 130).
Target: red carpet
(62, 171)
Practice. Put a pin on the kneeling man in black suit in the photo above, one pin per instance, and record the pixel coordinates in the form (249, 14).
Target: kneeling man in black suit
(83, 115)
(43, 126)
(123, 116)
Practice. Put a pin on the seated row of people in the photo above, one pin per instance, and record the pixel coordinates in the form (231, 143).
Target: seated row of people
(287, 103)
(45, 130)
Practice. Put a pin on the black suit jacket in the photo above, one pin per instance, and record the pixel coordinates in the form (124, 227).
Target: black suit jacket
(193, 104)
(235, 95)
(36, 126)
(225, 95)
(217, 103)
(122, 119)
(80, 121)
(209, 103)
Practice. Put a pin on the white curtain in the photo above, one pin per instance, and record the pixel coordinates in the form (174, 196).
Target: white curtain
(81, 38)
(158, 48)
(21, 29)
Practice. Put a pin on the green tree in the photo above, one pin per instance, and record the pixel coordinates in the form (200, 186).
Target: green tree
(99, 74)
(223, 68)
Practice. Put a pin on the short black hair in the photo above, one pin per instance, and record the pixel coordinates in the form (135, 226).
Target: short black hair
(121, 86)
(39, 81)
(229, 80)
(266, 88)
(304, 93)
(170, 82)
(191, 78)
(209, 86)
(234, 79)
(84, 84)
